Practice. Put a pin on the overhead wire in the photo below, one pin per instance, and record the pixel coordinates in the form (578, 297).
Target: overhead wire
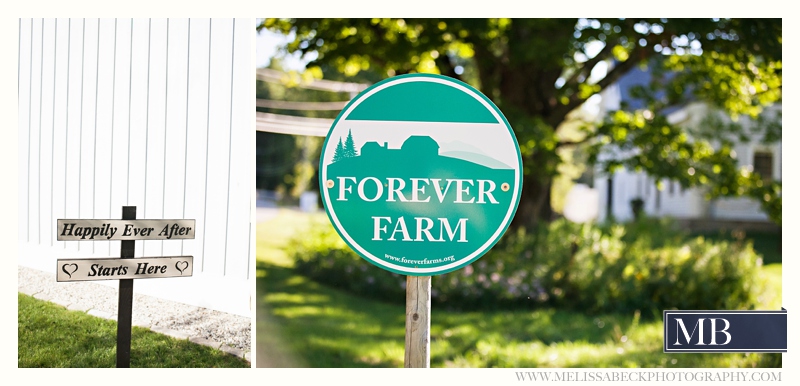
(298, 125)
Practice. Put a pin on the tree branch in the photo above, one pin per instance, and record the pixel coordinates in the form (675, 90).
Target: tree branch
(561, 144)
(620, 69)
(589, 65)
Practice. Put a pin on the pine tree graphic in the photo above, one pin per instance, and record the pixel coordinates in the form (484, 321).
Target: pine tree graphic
(338, 154)
(346, 150)
(349, 146)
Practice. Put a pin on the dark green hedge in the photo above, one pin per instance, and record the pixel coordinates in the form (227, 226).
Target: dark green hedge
(648, 265)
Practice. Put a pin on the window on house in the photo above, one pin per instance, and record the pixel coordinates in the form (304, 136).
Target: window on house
(762, 164)
(674, 186)
(658, 200)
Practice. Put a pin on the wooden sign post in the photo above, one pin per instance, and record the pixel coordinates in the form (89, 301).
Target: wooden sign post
(125, 307)
(418, 321)
(125, 268)
(420, 175)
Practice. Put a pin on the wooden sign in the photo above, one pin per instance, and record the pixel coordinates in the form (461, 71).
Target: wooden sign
(116, 268)
(97, 230)
(126, 267)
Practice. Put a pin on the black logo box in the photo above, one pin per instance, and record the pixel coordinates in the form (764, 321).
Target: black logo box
(694, 331)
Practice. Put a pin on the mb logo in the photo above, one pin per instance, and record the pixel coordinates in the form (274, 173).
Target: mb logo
(725, 331)
(684, 337)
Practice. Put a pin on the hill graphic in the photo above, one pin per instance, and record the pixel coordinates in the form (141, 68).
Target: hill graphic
(418, 153)
(389, 196)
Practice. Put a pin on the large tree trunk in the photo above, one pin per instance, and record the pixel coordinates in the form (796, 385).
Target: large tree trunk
(534, 204)
(522, 85)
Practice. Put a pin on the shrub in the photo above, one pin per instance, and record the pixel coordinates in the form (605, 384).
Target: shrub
(646, 265)
(323, 256)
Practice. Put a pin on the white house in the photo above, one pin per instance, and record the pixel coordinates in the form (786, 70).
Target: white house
(616, 192)
(152, 113)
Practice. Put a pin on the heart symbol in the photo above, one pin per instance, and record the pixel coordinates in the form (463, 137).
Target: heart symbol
(178, 266)
(73, 266)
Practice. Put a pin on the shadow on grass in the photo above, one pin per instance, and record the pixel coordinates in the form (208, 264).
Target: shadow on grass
(301, 323)
(51, 336)
(327, 328)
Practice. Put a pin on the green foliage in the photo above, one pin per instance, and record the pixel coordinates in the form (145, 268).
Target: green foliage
(322, 255)
(318, 326)
(768, 244)
(276, 156)
(51, 336)
(303, 323)
(539, 71)
(288, 163)
(646, 265)
(667, 151)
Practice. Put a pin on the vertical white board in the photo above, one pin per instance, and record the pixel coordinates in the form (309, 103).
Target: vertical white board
(154, 113)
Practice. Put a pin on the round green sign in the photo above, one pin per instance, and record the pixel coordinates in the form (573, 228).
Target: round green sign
(420, 174)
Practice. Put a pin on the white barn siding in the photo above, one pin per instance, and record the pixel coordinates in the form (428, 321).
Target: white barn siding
(154, 113)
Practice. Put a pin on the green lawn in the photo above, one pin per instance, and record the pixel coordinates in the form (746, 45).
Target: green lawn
(301, 323)
(51, 336)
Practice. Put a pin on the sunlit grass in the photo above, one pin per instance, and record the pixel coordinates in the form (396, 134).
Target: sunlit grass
(51, 336)
(273, 234)
(318, 326)
(771, 297)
